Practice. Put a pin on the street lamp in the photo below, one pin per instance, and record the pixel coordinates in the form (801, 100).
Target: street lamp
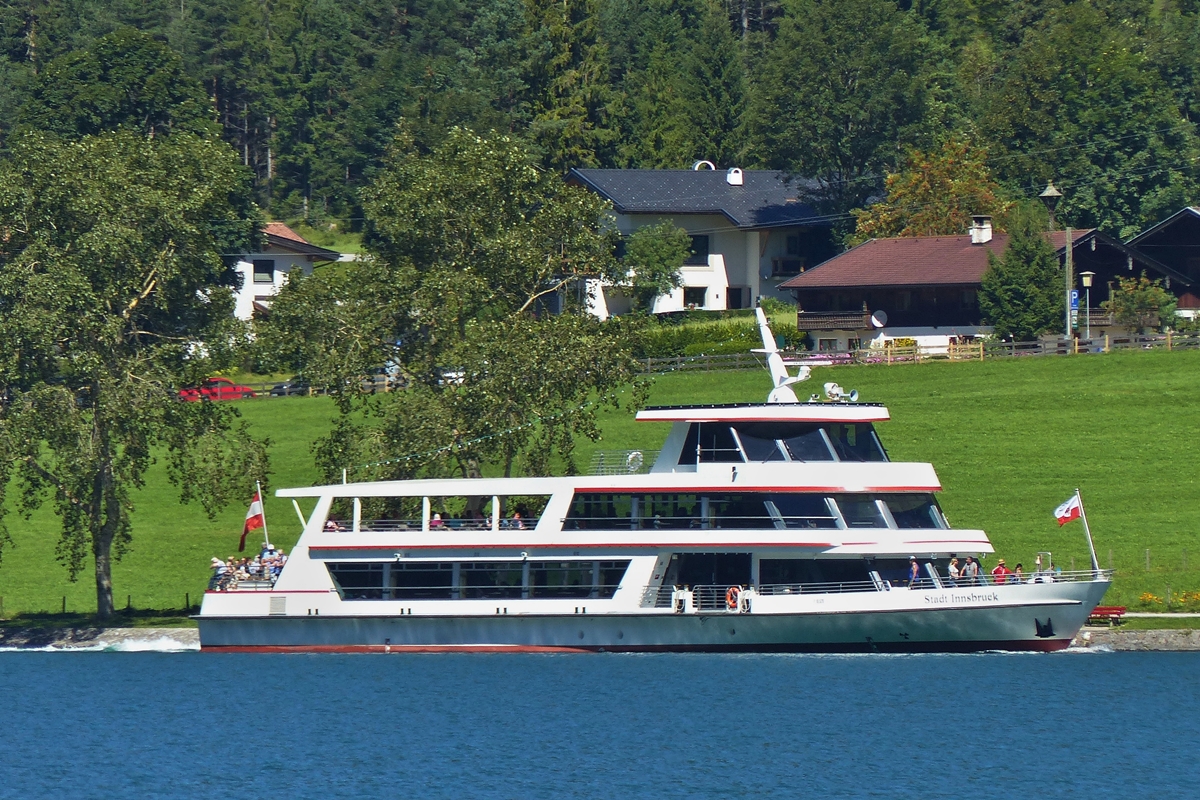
(1086, 277)
(1050, 197)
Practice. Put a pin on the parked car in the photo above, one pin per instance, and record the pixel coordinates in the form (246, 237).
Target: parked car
(297, 385)
(216, 388)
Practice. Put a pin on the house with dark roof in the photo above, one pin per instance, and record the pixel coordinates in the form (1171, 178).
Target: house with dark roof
(927, 287)
(750, 229)
(263, 273)
(1175, 243)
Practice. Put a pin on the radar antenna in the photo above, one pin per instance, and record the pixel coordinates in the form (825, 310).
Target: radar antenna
(782, 393)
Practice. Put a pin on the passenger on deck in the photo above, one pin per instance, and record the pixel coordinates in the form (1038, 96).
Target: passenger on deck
(953, 572)
(1000, 573)
(436, 522)
(1018, 574)
(970, 572)
(517, 521)
(914, 573)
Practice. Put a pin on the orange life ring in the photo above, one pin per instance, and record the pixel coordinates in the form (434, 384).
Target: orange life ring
(731, 597)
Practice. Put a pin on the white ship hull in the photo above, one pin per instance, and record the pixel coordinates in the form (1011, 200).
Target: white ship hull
(1041, 617)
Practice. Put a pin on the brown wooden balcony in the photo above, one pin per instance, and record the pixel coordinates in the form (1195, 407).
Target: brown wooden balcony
(832, 320)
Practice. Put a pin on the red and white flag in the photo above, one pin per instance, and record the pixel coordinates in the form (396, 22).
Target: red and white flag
(1068, 511)
(254, 520)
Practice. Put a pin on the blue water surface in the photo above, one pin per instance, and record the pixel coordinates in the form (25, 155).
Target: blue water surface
(200, 725)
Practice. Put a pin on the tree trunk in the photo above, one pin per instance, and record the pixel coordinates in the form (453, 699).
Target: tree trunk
(104, 593)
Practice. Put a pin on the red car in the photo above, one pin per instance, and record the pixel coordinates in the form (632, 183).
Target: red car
(216, 389)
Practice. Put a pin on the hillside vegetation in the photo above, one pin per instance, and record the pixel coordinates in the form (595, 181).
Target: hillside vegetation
(1010, 439)
(1099, 96)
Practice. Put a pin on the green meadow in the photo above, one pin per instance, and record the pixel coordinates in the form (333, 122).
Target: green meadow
(1010, 439)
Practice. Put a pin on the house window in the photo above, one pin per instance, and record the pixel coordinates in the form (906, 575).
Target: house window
(694, 296)
(699, 254)
(827, 345)
(264, 270)
(853, 344)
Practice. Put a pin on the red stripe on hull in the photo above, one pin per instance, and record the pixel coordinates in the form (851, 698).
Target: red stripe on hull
(1034, 645)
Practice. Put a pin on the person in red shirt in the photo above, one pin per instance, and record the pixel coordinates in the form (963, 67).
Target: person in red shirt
(1000, 573)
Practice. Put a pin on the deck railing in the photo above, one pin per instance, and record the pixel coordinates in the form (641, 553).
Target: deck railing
(715, 598)
(403, 525)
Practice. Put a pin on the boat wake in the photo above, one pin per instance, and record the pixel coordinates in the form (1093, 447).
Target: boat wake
(157, 644)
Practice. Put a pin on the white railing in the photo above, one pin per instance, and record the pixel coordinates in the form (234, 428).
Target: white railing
(622, 462)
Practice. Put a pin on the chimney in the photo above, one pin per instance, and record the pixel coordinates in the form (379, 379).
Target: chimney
(981, 229)
(734, 176)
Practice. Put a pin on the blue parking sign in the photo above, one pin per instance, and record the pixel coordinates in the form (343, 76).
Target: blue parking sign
(1074, 299)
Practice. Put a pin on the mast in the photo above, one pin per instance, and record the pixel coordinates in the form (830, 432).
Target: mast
(258, 487)
(1088, 532)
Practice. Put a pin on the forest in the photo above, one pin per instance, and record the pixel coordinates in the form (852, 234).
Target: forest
(1097, 95)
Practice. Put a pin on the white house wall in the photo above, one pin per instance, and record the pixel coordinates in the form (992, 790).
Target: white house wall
(262, 292)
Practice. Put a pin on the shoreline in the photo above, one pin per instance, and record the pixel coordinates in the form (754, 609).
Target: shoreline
(143, 639)
(99, 638)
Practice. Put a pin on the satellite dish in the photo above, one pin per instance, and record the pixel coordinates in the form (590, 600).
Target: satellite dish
(879, 319)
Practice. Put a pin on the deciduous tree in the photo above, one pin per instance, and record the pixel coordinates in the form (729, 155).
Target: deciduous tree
(127, 79)
(473, 249)
(1141, 303)
(654, 255)
(936, 193)
(114, 295)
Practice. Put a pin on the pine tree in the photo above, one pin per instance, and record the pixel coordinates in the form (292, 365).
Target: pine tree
(1021, 296)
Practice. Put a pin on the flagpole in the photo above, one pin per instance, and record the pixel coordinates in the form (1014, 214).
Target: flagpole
(1086, 530)
(258, 487)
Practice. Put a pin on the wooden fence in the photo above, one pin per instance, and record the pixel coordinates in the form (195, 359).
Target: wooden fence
(915, 354)
(887, 355)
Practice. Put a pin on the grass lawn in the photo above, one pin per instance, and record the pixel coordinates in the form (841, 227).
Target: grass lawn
(1010, 439)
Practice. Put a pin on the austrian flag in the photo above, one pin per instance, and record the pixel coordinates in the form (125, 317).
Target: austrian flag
(254, 519)
(1068, 511)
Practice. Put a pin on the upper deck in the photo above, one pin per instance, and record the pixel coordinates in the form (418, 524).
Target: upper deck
(810, 412)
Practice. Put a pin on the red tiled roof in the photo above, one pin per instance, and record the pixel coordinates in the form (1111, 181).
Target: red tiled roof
(284, 232)
(911, 261)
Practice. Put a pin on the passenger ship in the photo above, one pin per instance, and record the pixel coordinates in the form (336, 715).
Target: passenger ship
(777, 526)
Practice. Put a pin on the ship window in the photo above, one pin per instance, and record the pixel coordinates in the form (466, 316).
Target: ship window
(595, 579)
(803, 510)
(914, 511)
(590, 511)
(716, 443)
(855, 441)
(358, 581)
(811, 445)
(756, 446)
(861, 511)
(796, 571)
(422, 580)
(494, 579)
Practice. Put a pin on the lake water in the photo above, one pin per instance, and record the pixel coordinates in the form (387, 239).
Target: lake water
(198, 725)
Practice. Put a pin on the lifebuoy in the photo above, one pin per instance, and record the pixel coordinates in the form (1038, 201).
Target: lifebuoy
(731, 597)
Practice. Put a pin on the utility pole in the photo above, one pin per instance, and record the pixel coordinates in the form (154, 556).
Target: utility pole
(1070, 282)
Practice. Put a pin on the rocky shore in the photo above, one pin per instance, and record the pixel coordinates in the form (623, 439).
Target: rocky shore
(131, 639)
(1119, 639)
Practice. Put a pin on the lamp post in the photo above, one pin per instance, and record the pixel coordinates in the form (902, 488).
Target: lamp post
(1050, 197)
(1086, 277)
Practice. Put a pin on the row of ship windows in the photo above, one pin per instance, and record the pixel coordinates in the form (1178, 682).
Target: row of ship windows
(709, 442)
(455, 580)
(779, 510)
